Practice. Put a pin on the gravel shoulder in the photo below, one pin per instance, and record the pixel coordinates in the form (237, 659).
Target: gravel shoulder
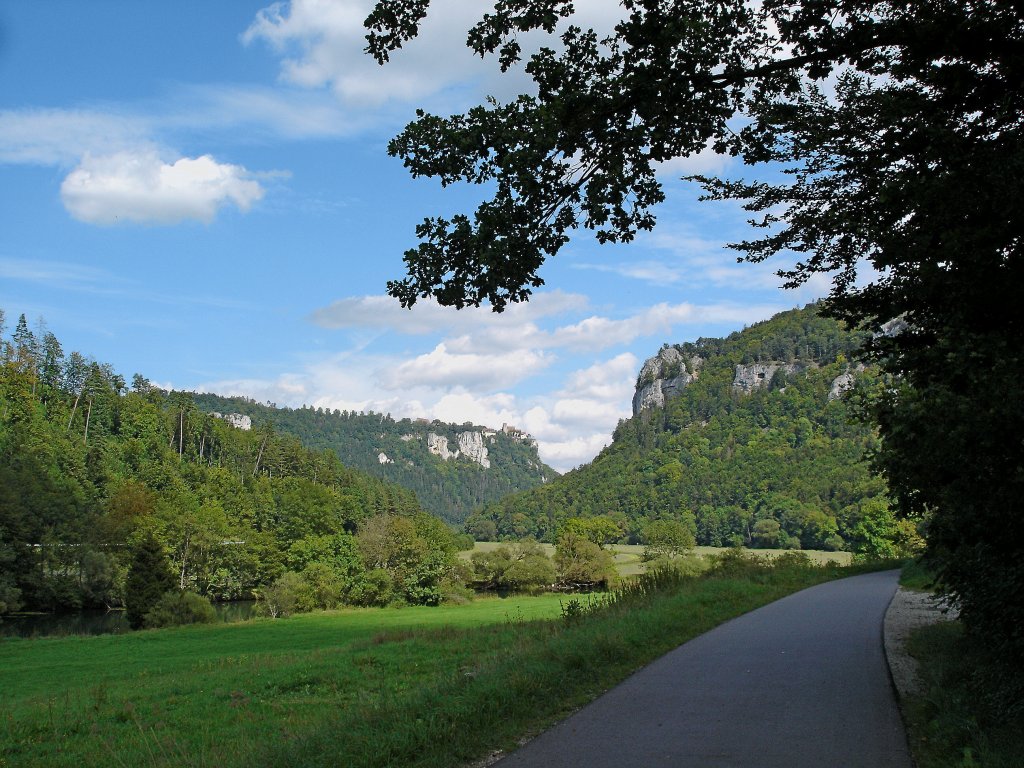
(908, 611)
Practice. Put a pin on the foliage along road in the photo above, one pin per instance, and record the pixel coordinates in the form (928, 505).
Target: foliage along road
(798, 683)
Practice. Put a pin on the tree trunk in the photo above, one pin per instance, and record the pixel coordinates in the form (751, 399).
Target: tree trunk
(259, 456)
(73, 409)
(184, 560)
(88, 414)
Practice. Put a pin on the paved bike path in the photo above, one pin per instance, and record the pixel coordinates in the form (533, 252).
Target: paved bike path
(800, 683)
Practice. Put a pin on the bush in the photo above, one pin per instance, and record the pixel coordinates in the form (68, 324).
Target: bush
(376, 588)
(281, 598)
(320, 588)
(582, 563)
(531, 573)
(176, 608)
(792, 560)
(736, 562)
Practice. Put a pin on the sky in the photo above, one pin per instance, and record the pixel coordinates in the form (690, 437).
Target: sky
(200, 192)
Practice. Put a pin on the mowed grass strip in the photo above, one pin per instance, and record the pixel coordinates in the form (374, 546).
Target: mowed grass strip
(385, 687)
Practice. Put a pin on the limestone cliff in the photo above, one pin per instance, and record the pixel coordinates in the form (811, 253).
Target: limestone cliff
(471, 445)
(664, 375)
(757, 375)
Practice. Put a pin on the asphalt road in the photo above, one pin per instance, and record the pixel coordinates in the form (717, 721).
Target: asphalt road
(800, 683)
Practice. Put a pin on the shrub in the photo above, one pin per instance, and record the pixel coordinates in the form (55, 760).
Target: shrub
(320, 588)
(376, 588)
(581, 562)
(736, 562)
(281, 598)
(176, 608)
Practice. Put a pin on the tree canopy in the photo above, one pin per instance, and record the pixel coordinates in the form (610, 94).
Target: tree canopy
(898, 126)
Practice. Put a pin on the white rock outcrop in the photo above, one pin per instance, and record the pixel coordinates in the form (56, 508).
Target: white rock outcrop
(239, 420)
(383, 458)
(758, 375)
(438, 445)
(662, 376)
(840, 385)
(471, 445)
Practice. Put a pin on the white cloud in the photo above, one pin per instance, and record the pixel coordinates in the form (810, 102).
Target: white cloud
(139, 187)
(263, 111)
(610, 381)
(707, 162)
(322, 44)
(62, 136)
(427, 316)
(517, 331)
(443, 369)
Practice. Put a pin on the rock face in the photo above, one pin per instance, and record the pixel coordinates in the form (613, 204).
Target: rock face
(840, 384)
(239, 420)
(662, 376)
(758, 375)
(438, 445)
(844, 382)
(383, 458)
(471, 444)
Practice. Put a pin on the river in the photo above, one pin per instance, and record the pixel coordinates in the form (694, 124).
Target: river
(98, 622)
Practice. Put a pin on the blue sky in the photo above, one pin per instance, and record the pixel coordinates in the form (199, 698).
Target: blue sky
(200, 192)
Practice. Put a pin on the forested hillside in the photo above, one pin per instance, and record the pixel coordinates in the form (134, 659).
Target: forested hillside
(491, 463)
(90, 467)
(761, 462)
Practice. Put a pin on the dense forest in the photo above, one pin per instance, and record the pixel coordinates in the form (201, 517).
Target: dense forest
(91, 467)
(780, 466)
(449, 488)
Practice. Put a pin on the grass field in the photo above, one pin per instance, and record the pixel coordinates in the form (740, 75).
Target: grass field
(629, 557)
(371, 687)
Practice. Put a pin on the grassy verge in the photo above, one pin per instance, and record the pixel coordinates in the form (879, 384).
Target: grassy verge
(953, 723)
(916, 577)
(409, 687)
(956, 721)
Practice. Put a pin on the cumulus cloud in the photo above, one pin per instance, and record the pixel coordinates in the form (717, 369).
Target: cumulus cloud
(443, 369)
(322, 43)
(141, 188)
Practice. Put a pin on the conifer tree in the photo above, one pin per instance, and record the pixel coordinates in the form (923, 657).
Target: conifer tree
(149, 579)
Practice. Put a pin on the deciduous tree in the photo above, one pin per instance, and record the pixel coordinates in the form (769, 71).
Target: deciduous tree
(899, 128)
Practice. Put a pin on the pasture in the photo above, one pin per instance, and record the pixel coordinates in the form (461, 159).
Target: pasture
(629, 557)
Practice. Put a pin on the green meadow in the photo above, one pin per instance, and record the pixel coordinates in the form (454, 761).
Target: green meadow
(629, 557)
(368, 687)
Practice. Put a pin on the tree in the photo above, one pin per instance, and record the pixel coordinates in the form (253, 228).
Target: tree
(581, 562)
(149, 579)
(600, 530)
(910, 165)
(667, 538)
